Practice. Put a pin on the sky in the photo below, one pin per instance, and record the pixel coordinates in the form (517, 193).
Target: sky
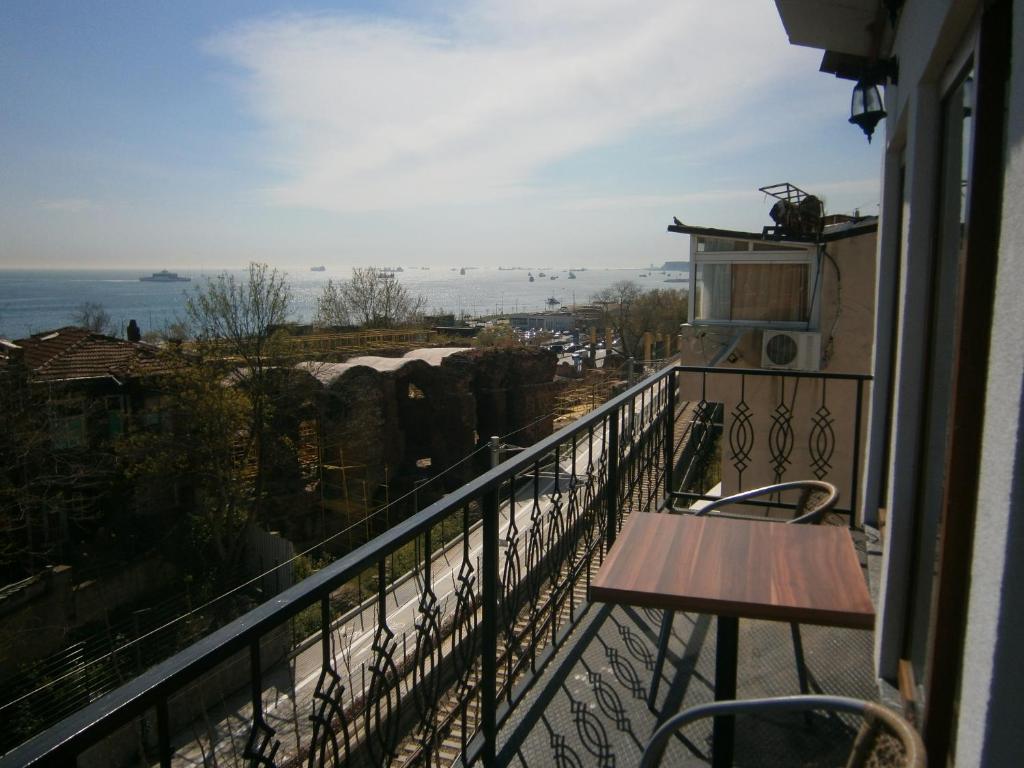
(201, 135)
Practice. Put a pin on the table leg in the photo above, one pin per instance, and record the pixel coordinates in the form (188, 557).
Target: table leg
(726, 651)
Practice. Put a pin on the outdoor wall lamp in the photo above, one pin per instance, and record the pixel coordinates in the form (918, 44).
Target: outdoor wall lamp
(866, 106)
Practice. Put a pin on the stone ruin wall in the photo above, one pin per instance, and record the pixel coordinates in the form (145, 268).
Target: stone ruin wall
(381, 412)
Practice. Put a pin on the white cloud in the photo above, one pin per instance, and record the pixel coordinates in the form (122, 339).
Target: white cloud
(375, 115)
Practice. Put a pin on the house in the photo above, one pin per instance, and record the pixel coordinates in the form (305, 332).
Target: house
(944, 476)
(68, 394)
(802, 301)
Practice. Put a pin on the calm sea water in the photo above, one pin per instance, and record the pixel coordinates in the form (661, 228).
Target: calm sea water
(34, 301)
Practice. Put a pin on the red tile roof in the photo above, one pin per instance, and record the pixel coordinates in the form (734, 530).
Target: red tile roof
(77, 353)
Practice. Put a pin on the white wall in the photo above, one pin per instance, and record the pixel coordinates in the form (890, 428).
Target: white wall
(931, 34)
(989, 731)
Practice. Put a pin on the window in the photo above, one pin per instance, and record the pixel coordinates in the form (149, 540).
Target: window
(116, 410)
(752, 286)
(67, 431)
(155, 414)
(718, 245)
(956, 131)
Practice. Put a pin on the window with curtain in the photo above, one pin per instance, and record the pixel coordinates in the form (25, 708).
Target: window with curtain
(769, 292)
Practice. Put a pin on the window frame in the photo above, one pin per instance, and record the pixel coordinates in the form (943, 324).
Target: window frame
(68, 432)
(792, 254)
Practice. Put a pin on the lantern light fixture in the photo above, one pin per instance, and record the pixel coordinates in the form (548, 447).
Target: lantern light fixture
(866, 108)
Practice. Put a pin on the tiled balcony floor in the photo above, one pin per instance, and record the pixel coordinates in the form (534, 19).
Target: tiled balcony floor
(590, 706)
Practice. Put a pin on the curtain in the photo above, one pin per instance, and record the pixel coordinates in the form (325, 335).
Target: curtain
(769, 292)
(712, 300)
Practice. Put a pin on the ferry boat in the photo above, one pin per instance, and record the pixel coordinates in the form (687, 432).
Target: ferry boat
(163, 276)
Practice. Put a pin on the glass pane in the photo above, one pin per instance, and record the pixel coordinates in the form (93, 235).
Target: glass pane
(712, 292)
(115, 423)
(769, 292)
(717, 245)
(752, 293)
(956, 143)
(775, 247)
(68, 432)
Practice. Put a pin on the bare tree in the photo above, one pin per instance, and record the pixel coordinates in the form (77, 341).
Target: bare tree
(372, 298)
(241, 318)
(237, 333)
(93, 316)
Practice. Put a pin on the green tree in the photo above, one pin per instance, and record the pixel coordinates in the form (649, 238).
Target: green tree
(372, 298)
(496, 335)
(52, 477)
(203, 436)
(630, 312)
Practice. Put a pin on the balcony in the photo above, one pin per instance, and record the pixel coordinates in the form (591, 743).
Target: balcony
(488, 651)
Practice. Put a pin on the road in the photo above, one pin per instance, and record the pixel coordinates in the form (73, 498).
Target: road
(287, 709)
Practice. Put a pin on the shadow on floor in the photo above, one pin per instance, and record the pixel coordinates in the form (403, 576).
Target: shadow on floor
(589, 708)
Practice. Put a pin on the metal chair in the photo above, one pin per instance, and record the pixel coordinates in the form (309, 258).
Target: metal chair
(885, 739)
(814, 502)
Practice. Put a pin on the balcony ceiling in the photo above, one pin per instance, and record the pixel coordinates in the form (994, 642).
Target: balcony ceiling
(833, 25)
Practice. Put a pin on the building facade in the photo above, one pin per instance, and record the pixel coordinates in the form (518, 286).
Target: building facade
(803, 304)
(945, 475)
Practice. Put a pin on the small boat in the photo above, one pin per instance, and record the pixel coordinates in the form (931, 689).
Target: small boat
(643, 274)
(462, 271)
(572, 275)
(531, 278)
(321, 268)
(163, 276)
(541, 274)
(554, 277)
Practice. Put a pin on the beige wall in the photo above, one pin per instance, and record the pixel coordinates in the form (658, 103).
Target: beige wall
(847, 305)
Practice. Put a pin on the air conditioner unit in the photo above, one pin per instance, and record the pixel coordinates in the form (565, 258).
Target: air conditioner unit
(791, 350)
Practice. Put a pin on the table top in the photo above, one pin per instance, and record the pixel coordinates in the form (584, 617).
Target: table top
(748, 569)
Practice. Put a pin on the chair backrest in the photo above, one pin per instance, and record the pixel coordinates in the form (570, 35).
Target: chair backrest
(816, 498)
(886, 740)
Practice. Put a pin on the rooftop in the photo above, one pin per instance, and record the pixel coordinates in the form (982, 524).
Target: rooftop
(72, 353)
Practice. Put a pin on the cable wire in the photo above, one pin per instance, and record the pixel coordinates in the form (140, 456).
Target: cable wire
(172, 622)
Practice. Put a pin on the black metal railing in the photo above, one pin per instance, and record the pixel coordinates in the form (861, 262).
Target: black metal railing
(752, 427)
(427, 671)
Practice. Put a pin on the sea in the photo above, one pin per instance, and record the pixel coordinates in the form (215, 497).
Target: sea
(32, 301)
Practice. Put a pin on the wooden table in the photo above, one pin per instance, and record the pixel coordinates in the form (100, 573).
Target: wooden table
(736, 569)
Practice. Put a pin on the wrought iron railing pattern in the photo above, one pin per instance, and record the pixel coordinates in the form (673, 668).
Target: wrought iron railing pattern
(746, 414)
(452, 649)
